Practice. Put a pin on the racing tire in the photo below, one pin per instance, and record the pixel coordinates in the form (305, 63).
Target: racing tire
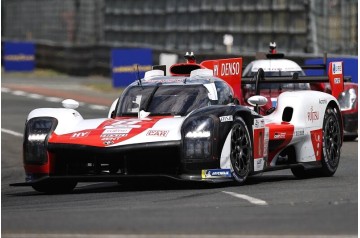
(55, 187)
(241, 156)
(331, 143)
(331, 148)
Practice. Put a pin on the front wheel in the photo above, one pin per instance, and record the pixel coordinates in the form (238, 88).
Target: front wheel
(241, 151)
(331, 148)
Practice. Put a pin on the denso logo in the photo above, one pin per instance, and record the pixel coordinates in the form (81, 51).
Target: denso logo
(161, 133)
(313, 115)
(230, 69)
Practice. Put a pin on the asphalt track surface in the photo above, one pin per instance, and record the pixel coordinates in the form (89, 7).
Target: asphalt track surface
(273, 204)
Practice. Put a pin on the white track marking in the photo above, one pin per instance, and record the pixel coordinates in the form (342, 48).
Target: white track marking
(19, 93)
(14, 133)
(50, 99)
(53, 99)
(35, 96)
(5, 90)
(98, 107)
(252, 200)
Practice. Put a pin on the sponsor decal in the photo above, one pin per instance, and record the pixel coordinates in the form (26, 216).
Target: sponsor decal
(300, 132)
(259, 137)
(279, 135)
(226, 118)
(230, 68)
(337, 80)
(160, 133)
(322, 101)
(337, 68)
(259, 123)
(108, 142)
(80, 134)
(124, 124)
(313, 115)
(112, 136)
(117, 131)
(259, 164)
(166, 80)
(216, 173)
(316, 139)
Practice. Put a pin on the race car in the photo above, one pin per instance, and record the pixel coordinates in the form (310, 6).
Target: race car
(187, 126)
(275, 65)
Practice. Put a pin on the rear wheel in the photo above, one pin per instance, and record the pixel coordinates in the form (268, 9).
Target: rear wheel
(331, 143)
(55, 187)
(241, 151)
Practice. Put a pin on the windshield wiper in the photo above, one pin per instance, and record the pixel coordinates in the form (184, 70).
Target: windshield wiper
(148, 101)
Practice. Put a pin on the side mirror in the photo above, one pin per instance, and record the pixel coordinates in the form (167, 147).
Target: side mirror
(70, 103)
(257, 100)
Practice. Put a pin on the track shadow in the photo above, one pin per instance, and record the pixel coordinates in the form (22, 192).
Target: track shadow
(159, 184)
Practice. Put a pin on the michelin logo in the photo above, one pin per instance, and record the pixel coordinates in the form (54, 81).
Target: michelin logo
(216, 173)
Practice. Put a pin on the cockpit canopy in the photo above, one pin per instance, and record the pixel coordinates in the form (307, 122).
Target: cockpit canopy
(177, 99)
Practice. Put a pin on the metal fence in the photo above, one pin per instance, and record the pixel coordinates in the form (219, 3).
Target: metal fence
(61, 27)
(336, 26)
(200, 25)
(56, 21)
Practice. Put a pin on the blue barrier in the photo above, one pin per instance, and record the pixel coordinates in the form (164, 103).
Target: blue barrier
(350, 67)
(19, 56)
(129, 64)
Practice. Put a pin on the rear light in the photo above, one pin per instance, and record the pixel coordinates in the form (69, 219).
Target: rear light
(347, 99)
(37, 131)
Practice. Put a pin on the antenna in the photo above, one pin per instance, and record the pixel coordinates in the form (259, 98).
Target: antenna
(138, 76)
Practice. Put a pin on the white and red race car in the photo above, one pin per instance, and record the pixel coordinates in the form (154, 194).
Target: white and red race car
(186, 126)
(275, 65)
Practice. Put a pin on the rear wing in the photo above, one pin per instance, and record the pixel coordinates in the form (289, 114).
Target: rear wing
(229, 70)
(335, 77)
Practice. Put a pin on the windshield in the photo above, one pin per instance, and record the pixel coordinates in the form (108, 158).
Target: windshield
(163, 100)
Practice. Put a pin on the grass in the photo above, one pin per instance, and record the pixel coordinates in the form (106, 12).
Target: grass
(104, 87)
(37, 73)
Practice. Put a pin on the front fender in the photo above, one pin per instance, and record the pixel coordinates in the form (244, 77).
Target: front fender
(223, 117)
(69, 120)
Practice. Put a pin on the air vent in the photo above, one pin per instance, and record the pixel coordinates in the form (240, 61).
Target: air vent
(183, 69)
(287, 114)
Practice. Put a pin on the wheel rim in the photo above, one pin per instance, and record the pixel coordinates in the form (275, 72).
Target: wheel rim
(240, 150)
(332, 141)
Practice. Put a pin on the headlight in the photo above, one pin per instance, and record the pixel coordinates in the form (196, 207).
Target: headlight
(198, 138)
(347, 99)
(35, 139)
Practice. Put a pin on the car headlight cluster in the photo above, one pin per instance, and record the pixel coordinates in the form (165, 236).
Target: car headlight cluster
(197, 139)
(347, 99)
(36, 135)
